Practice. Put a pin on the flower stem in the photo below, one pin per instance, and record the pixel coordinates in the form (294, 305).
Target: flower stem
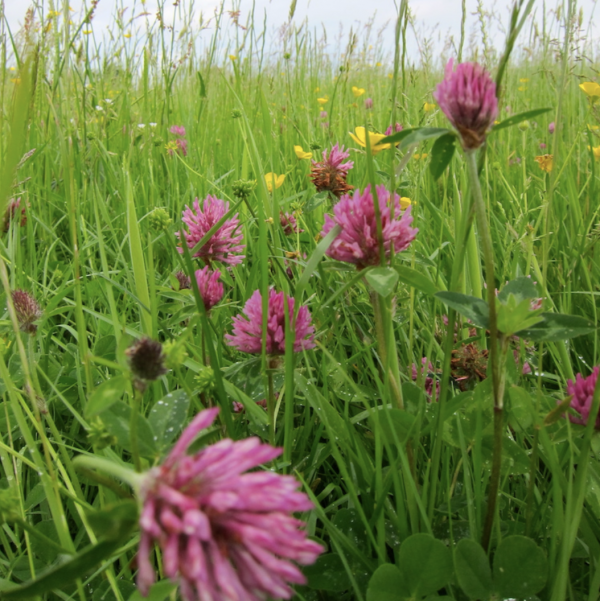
(271, 404)
(495, 358)
(133, 433)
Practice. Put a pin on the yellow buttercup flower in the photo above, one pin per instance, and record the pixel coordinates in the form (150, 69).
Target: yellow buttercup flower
(405, 202)
(274, 181)
(360, 138)
(591, 89)
(421, 156)
(546, 162)
(596, 151)
(127, 35)
(429, 106)
(357, 91)
(390, 75)
(593, 127)
(524, 80)
(87, 31)
(301, 154)
(378, 64)
(233, 57)
(322, 101)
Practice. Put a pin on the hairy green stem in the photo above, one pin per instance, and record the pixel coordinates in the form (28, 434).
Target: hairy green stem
(495, 359)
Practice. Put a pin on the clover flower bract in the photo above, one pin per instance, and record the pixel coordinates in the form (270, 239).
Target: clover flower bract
(225, 533)
(467, 97)
(224, 243)
(357, 242)
(247, 328)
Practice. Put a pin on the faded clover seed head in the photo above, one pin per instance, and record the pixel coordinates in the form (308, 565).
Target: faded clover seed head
(184, 280)
(225, 533)
(467, 97)
(146, 359)
(27, 309)
(248, 327)
(357, 242)
(582, 391)
(224, 244)
(330, 174)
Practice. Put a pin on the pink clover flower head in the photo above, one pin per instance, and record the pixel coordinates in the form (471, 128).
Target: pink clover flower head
(211, 290)
(182, 146)
(551, 127)
(582, 391)
(357, 242)
(224, 532)
(224, 243)
(247, 327)
(323, 115)
(393, 129)
(467, 97)
(177, 130)
(289, 224)
(368, 103)
(542, 145)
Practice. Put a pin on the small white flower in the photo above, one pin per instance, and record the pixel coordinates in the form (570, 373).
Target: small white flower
(141, 125)
(99, 108)
(108, 101)
(152, 124)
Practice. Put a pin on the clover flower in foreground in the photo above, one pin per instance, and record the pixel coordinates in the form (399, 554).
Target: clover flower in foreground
(27, 309)
(357, 242)
(180, 143)
(467, 97)
(248, 327)
(330, 174)
(224, 243)
(225, 533)
(211, 290)
(582, 391)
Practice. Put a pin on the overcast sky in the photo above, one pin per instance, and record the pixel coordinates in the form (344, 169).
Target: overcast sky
(436, 19)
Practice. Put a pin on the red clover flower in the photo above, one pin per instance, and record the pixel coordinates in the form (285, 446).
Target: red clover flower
(224, 532)
(467, 97)
(357, 242)
(211, 290)
(247, 328)
(224, 243)
(582, 391)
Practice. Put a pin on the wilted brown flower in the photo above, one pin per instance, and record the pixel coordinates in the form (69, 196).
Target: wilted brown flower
(27, 309)
(330, 174)
(146, 359)
(468, 364)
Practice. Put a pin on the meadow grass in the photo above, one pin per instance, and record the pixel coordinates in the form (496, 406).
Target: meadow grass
(95, 161)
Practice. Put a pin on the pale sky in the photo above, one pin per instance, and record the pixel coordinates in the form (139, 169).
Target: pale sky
(434, 19)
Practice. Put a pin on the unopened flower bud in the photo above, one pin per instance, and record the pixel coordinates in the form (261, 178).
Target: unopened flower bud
(205, 379)
(159, 220)
(243, 188)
